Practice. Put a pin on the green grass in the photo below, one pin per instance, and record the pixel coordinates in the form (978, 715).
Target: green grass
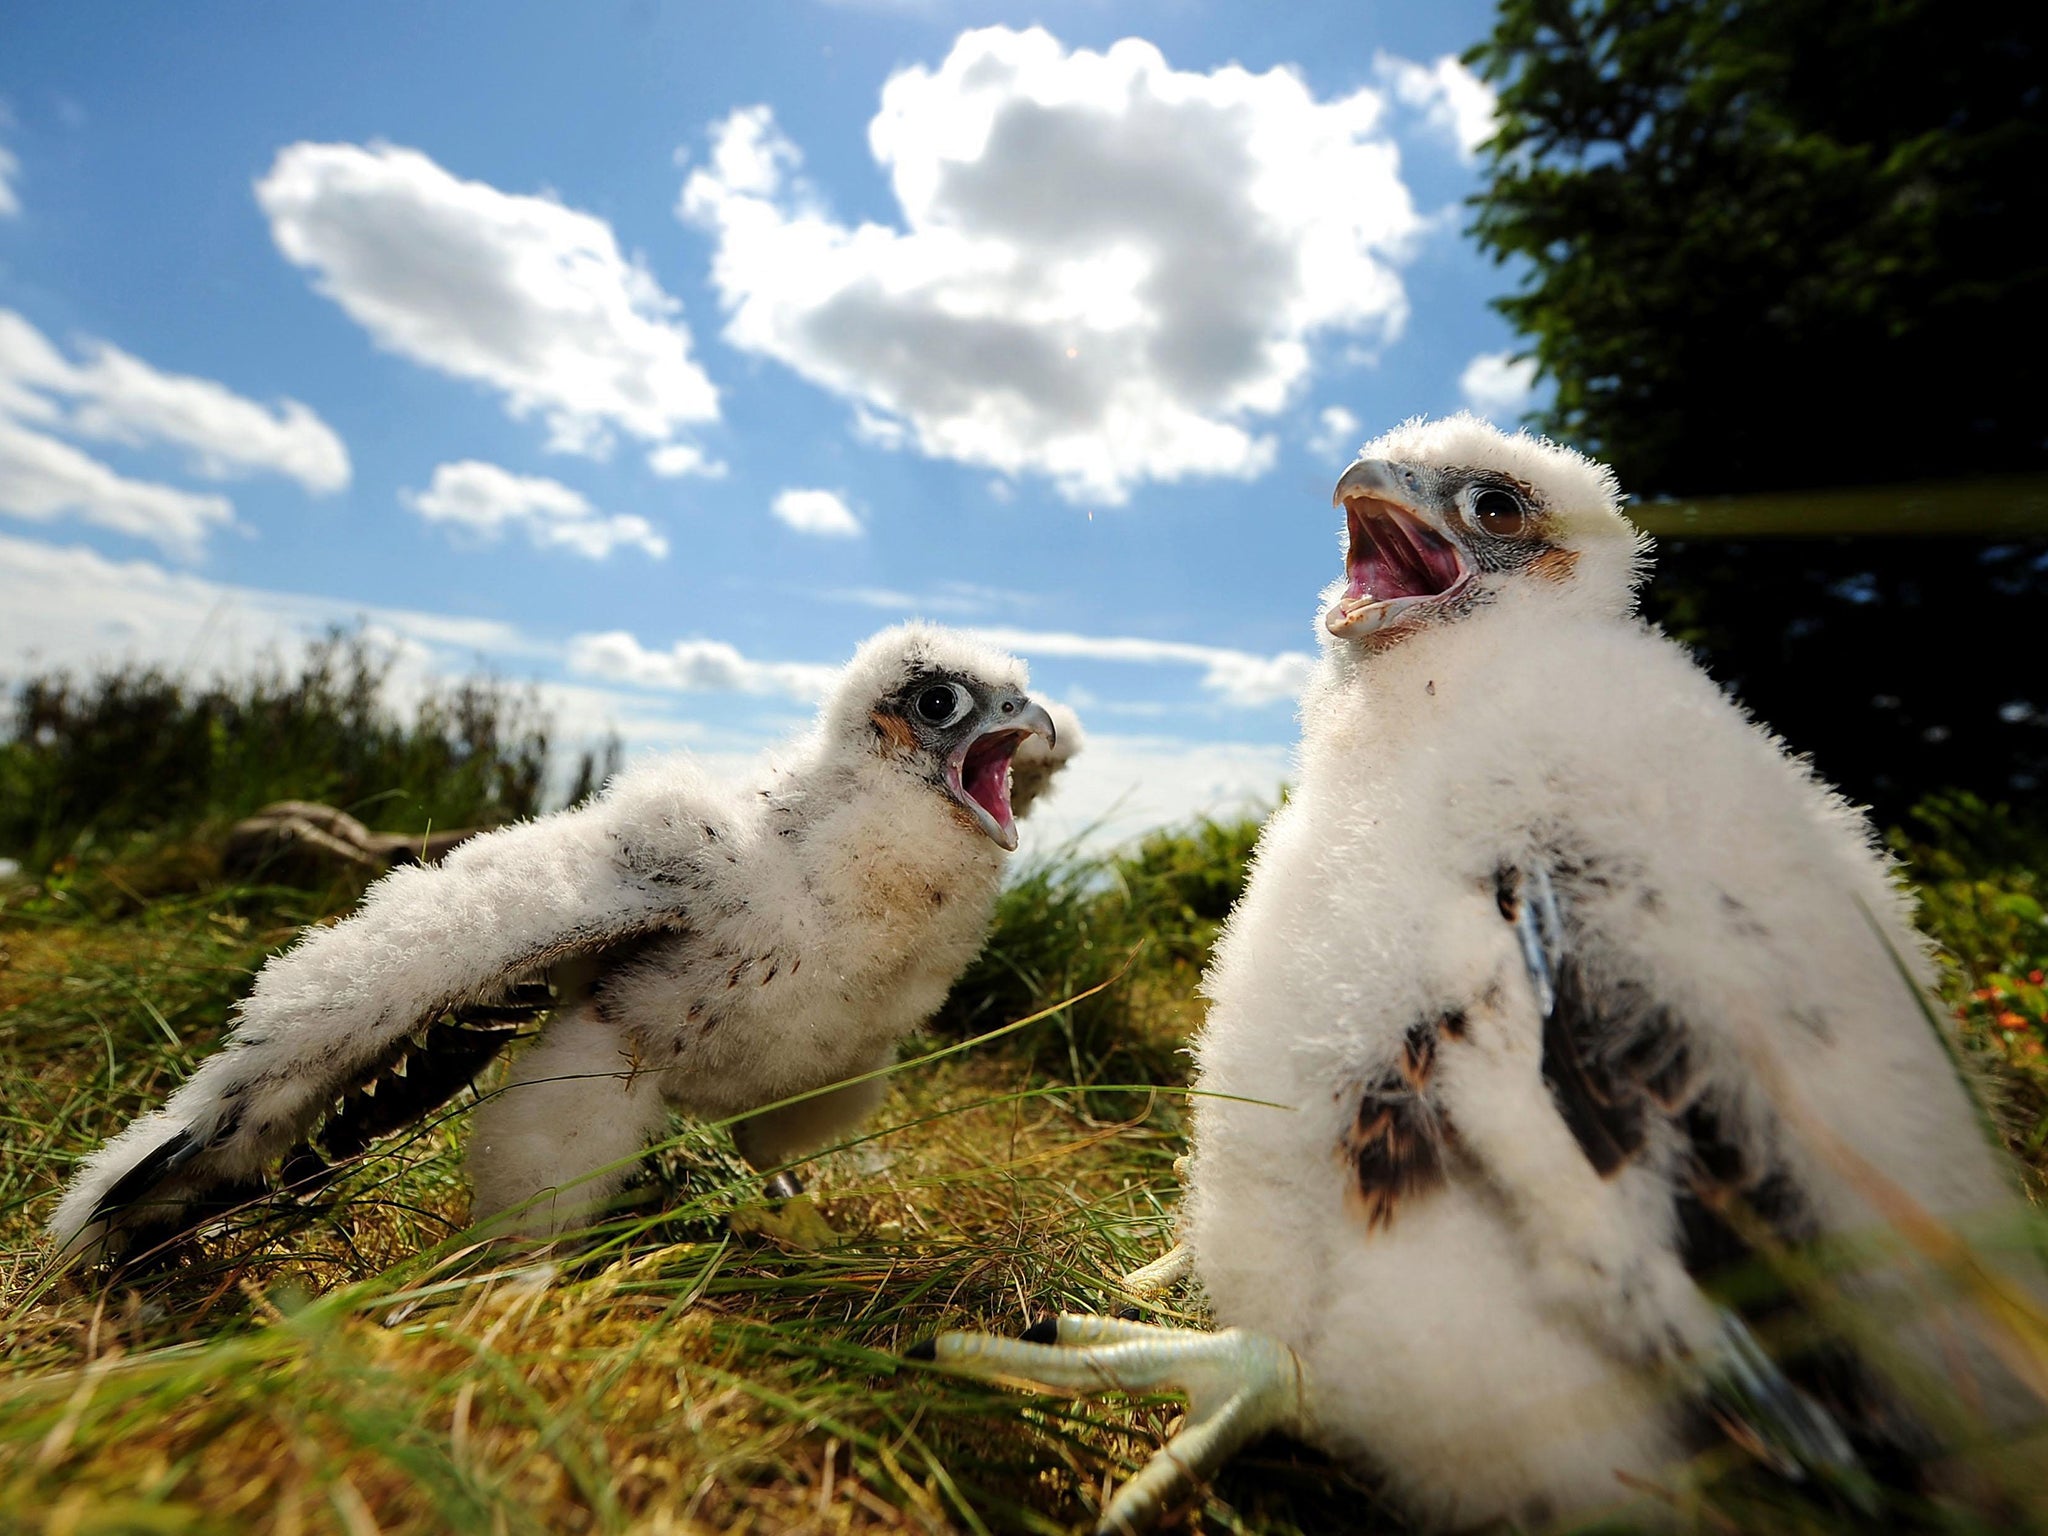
(353, 1364)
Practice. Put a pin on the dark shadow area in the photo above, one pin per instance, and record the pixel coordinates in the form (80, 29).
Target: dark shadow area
(1902, 666)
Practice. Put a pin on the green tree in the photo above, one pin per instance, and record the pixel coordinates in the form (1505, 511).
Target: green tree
(1772, 244)
(1768, 245)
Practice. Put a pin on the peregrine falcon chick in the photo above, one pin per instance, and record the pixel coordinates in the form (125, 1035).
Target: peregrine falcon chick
(1560, 992)
(713, 948)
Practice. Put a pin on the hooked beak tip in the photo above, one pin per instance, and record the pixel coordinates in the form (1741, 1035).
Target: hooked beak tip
(1038, 720)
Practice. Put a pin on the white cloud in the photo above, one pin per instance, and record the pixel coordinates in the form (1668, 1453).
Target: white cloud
(10, 169)
(892, 601)
(824, 513)
(43, 479)
(674, 460)
(1449, 96)
(695, 666)
(114, 397)
(1241, 677)
(1107, 270)
(1337, 433)
(519, 293)
(749, 155)
(488, 500)
(75, 608)
(961, 599)
(128, 401)
(1498, 385)
(955, 598)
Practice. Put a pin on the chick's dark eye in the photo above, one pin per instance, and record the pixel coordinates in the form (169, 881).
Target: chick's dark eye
(1500, 512)
(939, 704)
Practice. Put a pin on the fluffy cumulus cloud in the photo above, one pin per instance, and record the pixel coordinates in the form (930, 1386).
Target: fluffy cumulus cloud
(487, 500)
(695, 666)
(106, 395)
(824, 513)
(1241, 678)
(673, 460)
(521, 294)
(1338, 433)
(1237, 677)
(43, 479)
(1499, 385)
(113, 397)
(74, 608)
(1106, 270)
(1449, 97)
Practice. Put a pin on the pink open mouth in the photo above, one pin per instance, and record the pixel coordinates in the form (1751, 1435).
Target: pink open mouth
(980, 780)
(1396, 566)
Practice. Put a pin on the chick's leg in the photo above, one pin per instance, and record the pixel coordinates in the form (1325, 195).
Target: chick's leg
(557, 1140)
(778, 1137)
(1172, 1266)
(1239, 1385)
(1162, 1274)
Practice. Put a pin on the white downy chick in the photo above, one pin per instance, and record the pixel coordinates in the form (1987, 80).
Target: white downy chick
(696, 945)
(1559, 987)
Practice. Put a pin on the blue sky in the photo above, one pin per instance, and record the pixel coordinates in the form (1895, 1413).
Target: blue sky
(661, 353)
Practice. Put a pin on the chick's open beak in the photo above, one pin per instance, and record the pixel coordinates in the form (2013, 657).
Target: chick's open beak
(978, 773)
(1398, 563)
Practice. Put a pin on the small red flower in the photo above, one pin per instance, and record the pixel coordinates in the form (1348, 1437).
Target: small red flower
(2011, 1020)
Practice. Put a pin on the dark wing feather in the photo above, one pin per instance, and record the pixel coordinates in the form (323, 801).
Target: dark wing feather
(415, 1084)
(1619, 1066)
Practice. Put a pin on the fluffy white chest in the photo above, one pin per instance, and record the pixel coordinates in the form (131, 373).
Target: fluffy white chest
(820, 950)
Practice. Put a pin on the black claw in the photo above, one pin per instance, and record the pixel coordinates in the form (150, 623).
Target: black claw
(923, 1349)
(1045, 1331)
(304, 1171)
(1129, 1314)
(784, 1186)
